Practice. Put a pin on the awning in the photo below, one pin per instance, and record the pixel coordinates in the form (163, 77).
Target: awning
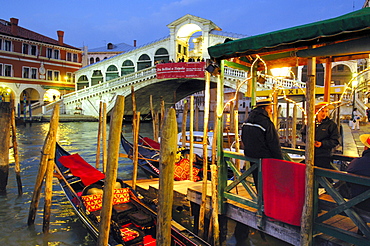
(346, 27)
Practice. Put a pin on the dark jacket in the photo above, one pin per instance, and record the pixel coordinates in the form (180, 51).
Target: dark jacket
(260, 137)
(327, 133)
(360, 166)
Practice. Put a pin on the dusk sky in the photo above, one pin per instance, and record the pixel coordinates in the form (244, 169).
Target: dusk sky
(95, 23)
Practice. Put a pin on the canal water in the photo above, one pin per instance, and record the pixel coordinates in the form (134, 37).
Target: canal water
(65, 229)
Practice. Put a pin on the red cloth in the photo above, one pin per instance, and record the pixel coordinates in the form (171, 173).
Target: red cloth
(80, 168)
(283, 190)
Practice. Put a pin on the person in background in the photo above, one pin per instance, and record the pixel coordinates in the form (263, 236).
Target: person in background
(361, 166)
(326, 135)
(356, 116)
(259, 135)
(368, 114)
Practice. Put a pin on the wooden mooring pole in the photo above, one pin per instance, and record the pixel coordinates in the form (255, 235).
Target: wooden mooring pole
(205, 155)
(97, 161)
(135, 129)
(183, 126)
(115, 130)
(166, 167)
(17, 166)
(191, 136)
(104, 137)
(307, 214)
(5, 122)
(45, 156)
(50, 170)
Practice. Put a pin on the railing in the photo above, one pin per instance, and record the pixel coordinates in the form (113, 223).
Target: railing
(334, 204)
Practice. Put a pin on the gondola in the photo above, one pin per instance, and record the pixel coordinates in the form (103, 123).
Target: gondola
(133, 222)
(148, 160)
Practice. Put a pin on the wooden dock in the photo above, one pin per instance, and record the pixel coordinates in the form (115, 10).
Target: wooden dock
(190, 192)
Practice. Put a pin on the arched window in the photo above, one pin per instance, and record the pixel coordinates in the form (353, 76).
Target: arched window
(127, 67)
(161, 55)
(109, 46)
(97, 59)
(144, 62)
(82, 82)
(112, 73)
(91, 60)
(97, 77)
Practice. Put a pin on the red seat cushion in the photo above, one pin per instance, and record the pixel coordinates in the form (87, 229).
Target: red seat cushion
(283, 190)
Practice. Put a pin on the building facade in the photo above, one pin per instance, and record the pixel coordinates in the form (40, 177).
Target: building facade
(35, 69)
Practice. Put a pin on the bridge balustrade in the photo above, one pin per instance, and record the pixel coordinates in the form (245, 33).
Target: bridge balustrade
(328, 207)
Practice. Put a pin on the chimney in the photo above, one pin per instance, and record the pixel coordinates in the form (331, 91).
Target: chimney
(134, 43)
(14, 26)
(60, 37)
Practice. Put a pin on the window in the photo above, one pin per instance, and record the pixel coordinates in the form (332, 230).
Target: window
(33, 73)
(8, 70)
(69, 76)
(26, 72)
(74, 57)
(33, 50)
(25, 49)
(49, 53)
(1, 69)
(56, 54)
(91, 60)
(97, 59)
(69, 57)
(56, 75)
(49, 75)
(8, 45)
(1, 44)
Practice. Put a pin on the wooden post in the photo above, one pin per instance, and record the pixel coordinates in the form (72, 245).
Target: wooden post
(5, 122)
(275, 108)
(205, 154)
(154, 119)
(191, 135)
(232, 110)
(135, 157)
(99, 136)
(222, 166)
(287, 123)
(327, 81)
(216, 226)
(162, 114)
(294, 126)
(183, 127)
(115, 130)
(50, 169)
(307, 214)
(104, 126)
(166, 167)
(45, 156)
(15, 153)
(196, 118)
(237, 144)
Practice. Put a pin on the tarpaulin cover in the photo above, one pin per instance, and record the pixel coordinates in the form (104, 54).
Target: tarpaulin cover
(283, 190)
(80, 168)
(355, 21)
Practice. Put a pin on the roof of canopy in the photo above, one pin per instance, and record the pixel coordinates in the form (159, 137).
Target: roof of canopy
(343, 38)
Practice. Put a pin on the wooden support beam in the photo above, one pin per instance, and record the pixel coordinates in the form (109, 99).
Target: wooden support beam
(166, 167)
(115, 130)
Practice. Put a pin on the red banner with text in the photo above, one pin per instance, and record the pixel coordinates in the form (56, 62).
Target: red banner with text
(180, 70)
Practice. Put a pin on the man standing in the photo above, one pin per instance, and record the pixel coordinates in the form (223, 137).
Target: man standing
(326, 135)
(259, 135)
(361, 166)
